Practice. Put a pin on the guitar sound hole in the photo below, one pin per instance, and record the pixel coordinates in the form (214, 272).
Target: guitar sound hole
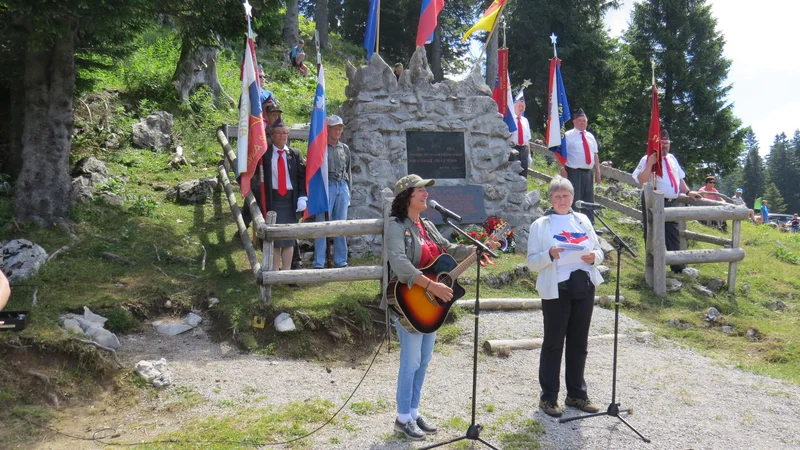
(445, 279)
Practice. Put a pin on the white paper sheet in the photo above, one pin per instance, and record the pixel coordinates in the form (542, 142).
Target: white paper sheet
(572, 253)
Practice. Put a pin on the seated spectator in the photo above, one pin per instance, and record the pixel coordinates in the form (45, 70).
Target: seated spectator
(267, 98)
(297, 56)
(708, 191)
(398, 70)
(738, 200)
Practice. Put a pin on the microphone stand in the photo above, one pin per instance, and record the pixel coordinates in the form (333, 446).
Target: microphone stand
(613, 407)
(474, 430)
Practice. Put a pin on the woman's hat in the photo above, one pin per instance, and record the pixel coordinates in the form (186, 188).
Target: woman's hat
(411, 181)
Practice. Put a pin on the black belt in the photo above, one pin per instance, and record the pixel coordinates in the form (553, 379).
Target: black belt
(574, 168)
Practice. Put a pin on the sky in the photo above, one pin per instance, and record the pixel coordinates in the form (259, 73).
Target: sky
(761, 42)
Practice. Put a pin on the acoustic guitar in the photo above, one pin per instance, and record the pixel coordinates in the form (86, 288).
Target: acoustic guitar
(419, 309)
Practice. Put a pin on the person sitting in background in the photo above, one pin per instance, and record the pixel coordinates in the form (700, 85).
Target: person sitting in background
(739, 201)
(567, 291)
(5, 290)
(297, 56)
(398, 70)
(267, 97)
(764, 212)
(708, 191)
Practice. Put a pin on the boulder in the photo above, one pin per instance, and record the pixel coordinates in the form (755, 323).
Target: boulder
(90, 166)
(21, 259)
(171, 329)
(153, 131)
(691, 272)
(605, 271)
(716, 284)
(192, 319)
(673, 285)
(193, 191)
(703, 290)
(713, 315)
(284, 323)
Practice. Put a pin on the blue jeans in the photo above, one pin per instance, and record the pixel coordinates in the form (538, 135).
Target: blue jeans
(338, 202)
(416, 350)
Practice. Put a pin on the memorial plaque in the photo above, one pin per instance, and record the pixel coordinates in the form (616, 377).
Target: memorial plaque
(466, 201)
(436, 154)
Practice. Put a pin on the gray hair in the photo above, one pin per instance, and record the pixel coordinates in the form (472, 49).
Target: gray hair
(559, 183)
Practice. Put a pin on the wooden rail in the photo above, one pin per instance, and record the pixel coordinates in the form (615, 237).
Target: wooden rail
(657, 257)
(605, 201)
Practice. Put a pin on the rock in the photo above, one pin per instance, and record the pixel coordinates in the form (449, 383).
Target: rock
(713, 315)
(212, 302)
(284, 323)
(112, 199)
(153, 131)
(504, 352)
(193, 191)
(522, 271)
(154, 372)
(727, 329)
(72, 326)
(21, 259)
(777, 305)
(94, 318)
(675, 323)
(691, 272)
(629, 221)
(673, 285)
(746, 287)
(753, 334)
(703, 290)
(605, 271)
(171, 329)
(192, 319)
(89, 166)
(607, 248)
(716, 284)
(103, 337)
(533, 198)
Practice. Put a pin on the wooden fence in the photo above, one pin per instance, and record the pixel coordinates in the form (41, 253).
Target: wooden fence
(657, 257)
(269, 232)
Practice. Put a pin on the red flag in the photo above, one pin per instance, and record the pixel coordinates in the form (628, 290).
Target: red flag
(654, 137)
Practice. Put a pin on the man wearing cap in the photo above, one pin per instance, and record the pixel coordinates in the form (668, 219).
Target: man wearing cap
(339, 177)
(272, 118)
(672, 183)
(520, 139)
(582, 168)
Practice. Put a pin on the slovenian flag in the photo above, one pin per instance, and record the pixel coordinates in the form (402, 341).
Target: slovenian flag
(252, 142)
(428, 19)
(502, 91)
(317, 155)
(372, 28)
(557, 113)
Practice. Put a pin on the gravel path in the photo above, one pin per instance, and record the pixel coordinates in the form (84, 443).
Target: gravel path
(682, 400)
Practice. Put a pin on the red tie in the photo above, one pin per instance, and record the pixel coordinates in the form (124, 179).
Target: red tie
(586, 151)
(520, 135)
(672, 181)
(281, 174)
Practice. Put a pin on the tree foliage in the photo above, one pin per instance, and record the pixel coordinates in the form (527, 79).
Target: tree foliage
(682, 37)
(753, 173)
(782, 169)
(585, 50)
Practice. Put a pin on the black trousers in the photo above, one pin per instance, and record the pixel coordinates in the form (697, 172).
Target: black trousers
(566, 318)
(671, 233)
(583, 183)
(523, 159)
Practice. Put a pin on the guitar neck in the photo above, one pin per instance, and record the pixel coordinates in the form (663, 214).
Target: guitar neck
(464, 265)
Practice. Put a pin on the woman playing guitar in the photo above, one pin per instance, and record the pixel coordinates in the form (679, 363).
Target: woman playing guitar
(413, 243)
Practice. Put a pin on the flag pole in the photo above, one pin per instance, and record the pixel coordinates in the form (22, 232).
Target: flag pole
(378, 29)
(489, 38)
(653, 177)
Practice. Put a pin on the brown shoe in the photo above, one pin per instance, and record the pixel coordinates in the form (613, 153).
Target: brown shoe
(584, 404)
(550, 408)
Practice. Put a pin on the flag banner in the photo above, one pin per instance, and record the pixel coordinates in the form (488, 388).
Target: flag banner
(502, 91)
(487, 21)
(317, 155)
(252, 141)
(428, 19)
(372, 28)
(654, 137)
(557, 113)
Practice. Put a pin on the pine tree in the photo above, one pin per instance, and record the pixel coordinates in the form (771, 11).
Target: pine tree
(782, 172)
(753, 173)
(774, 199)
(682, 37)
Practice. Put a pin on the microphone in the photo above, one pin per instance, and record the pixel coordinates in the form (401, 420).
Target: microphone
(580, 204)
(444, 211)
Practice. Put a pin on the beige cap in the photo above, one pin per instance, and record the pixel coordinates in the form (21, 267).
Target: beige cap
(410, 181)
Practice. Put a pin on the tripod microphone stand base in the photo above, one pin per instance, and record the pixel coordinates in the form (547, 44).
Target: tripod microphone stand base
(473, 433)
(613, 411)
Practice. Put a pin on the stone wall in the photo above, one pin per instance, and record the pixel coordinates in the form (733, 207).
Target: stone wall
(380, 109)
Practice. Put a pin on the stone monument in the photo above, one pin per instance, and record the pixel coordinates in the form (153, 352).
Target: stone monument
(450, 131)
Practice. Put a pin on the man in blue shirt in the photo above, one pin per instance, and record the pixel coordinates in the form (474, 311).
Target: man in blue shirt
(764, 212)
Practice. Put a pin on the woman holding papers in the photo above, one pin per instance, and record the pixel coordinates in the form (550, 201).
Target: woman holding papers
(564, 249)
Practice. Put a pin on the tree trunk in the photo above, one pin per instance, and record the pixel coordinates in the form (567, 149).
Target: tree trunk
(43, 187)
(491, 60)
(198, 66)
(436, 54)
(321, 17)
(291, 26)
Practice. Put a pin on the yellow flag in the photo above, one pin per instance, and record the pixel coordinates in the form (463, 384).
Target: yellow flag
(486, 23)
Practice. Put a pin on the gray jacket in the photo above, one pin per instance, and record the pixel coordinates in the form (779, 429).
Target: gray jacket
(404, 250)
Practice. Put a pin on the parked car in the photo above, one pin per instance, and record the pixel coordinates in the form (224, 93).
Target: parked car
(780, 219)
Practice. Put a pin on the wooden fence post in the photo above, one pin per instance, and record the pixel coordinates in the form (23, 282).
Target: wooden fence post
(682, 234)
(659, 245)
(387, 196)
(733, 266)
(266, 259)
(647, 189)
